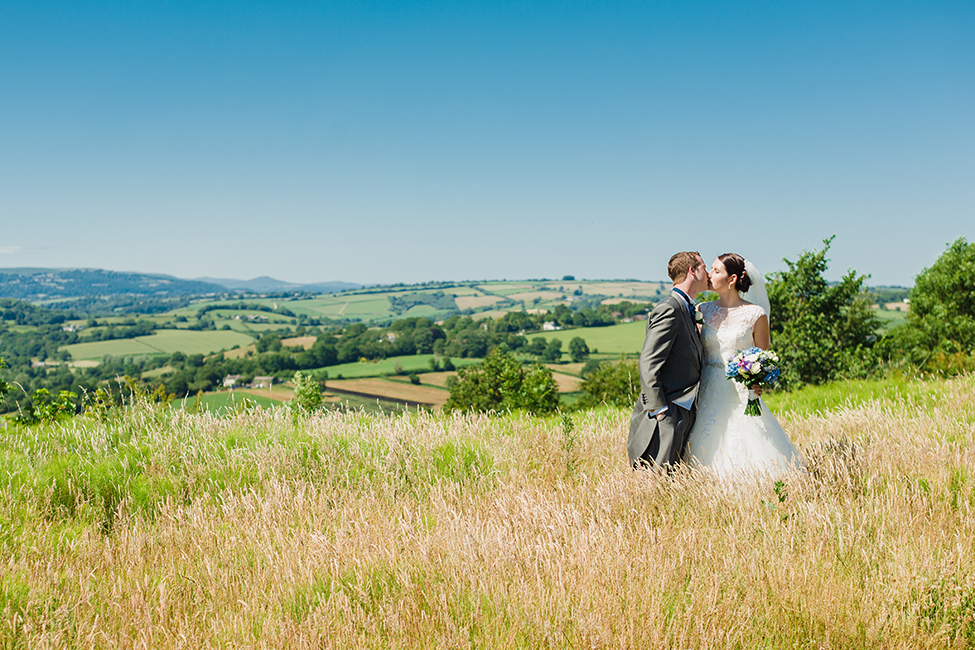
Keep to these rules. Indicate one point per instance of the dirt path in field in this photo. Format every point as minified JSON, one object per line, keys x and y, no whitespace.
{"x":342,"y":311}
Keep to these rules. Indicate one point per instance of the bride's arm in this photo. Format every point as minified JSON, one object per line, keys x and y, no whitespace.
{"x":760,"y":333}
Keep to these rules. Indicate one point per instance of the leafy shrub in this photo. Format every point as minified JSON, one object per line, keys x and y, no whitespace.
{"x":939,"y":334}
{"x":578,"y":349}
{"x":308,"y":394}
{"x":821,"y":331}
{"x":591,"y":366}
{"x":617,"y":385}
{"x":501,"y":383}
{"x":46,"y":408}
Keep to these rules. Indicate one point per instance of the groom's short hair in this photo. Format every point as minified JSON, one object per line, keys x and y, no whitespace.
{"x":681,"y":263}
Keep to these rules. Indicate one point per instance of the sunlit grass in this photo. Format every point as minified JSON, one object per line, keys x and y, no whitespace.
{"x":163,"y":528}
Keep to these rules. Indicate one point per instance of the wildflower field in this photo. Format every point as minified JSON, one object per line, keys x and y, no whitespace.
{"x":158,"y":528}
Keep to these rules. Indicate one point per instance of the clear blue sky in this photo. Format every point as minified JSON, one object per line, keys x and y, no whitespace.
{"x":382,"y":142}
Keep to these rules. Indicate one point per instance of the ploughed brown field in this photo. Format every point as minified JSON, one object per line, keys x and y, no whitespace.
{"x":304,"y":341}
{"x":374,"y":386}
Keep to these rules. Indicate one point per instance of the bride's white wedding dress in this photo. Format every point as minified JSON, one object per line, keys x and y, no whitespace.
{"x":723,"y":437}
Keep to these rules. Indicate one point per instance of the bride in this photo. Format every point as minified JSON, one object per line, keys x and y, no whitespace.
{"x":723,"y":437}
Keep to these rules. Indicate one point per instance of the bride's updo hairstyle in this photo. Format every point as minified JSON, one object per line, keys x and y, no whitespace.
{"x":734,"y":264}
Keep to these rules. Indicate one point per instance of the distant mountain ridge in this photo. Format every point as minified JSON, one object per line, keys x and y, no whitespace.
{"x":45,"y":284}
{"x":264,"y":284}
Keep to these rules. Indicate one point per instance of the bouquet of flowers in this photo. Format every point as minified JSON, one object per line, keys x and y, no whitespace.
{"x":754,"y":367}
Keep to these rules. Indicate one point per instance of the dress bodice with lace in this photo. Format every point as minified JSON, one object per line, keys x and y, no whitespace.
{"x":726,"y":331}
{"x":723,"y":437}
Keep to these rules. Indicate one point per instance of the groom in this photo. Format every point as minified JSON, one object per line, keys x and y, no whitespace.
{"x":670,"y":369}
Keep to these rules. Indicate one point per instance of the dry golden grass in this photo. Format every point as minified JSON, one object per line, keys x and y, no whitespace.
{"x":349,"y":530}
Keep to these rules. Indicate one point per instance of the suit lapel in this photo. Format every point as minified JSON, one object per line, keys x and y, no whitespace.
{"x":688,"y":322}
{"x":692,"y":327}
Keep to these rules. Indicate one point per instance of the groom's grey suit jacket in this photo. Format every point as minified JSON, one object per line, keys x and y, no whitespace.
{"x":670,"y":366}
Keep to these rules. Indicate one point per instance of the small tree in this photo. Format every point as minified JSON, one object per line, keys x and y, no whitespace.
{"x":501,"y":383}
{"x":939,"y":333}
{"x":307,"y":394}
{"x":617,"y":385}
{"x":821,"y":331}
{"x":578,"y":349}
{"x":46,"y":408}
{"x":537,"y":346}
{"x":553,"y":351}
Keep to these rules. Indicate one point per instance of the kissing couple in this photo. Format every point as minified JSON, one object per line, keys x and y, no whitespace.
{"x":687,"y":410}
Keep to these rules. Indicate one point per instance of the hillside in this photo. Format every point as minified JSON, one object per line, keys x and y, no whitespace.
{"x":47,"y":284}
{"x":35,"y":284}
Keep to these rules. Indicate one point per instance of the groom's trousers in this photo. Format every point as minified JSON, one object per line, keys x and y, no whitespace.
{"x":668,"y":436}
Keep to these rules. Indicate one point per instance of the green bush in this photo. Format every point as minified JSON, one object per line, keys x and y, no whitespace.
{"x":308,"y":394}
{"x":939,"y":334}
{"x":615,"y":384}
{"x":820,"y":330}
{"x":502,"y":383}
{"x":578,"y":349}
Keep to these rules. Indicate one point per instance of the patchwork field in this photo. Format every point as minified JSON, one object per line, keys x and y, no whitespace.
{"x":530,"y":296}
{"x":572,"y":369}
{"x":406,"y":392}
{"x":304,"y":341}
{"x":161,"y":342}
{"x":437,"y":378}
{"x":472,"y":302}
{"x":632,"y":290}
{"x":223,"y":402}
{"x":386,"y":366}
{"x":566,"y":383}
{"x":373,"y":303}
{"x":626,"y":338}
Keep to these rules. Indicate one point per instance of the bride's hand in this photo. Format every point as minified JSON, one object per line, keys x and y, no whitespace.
{"x":756,"y":389}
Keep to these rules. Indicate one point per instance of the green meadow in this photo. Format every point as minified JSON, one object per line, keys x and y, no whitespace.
{"x":625,"y":338}
{"x":224,"y":402}
{"x":161,"y":342}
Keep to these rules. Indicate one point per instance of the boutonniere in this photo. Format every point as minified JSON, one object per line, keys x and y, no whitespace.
{"x":698,"y":317}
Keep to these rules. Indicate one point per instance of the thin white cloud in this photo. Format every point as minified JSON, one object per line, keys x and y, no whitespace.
{"x":9,"y":250}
